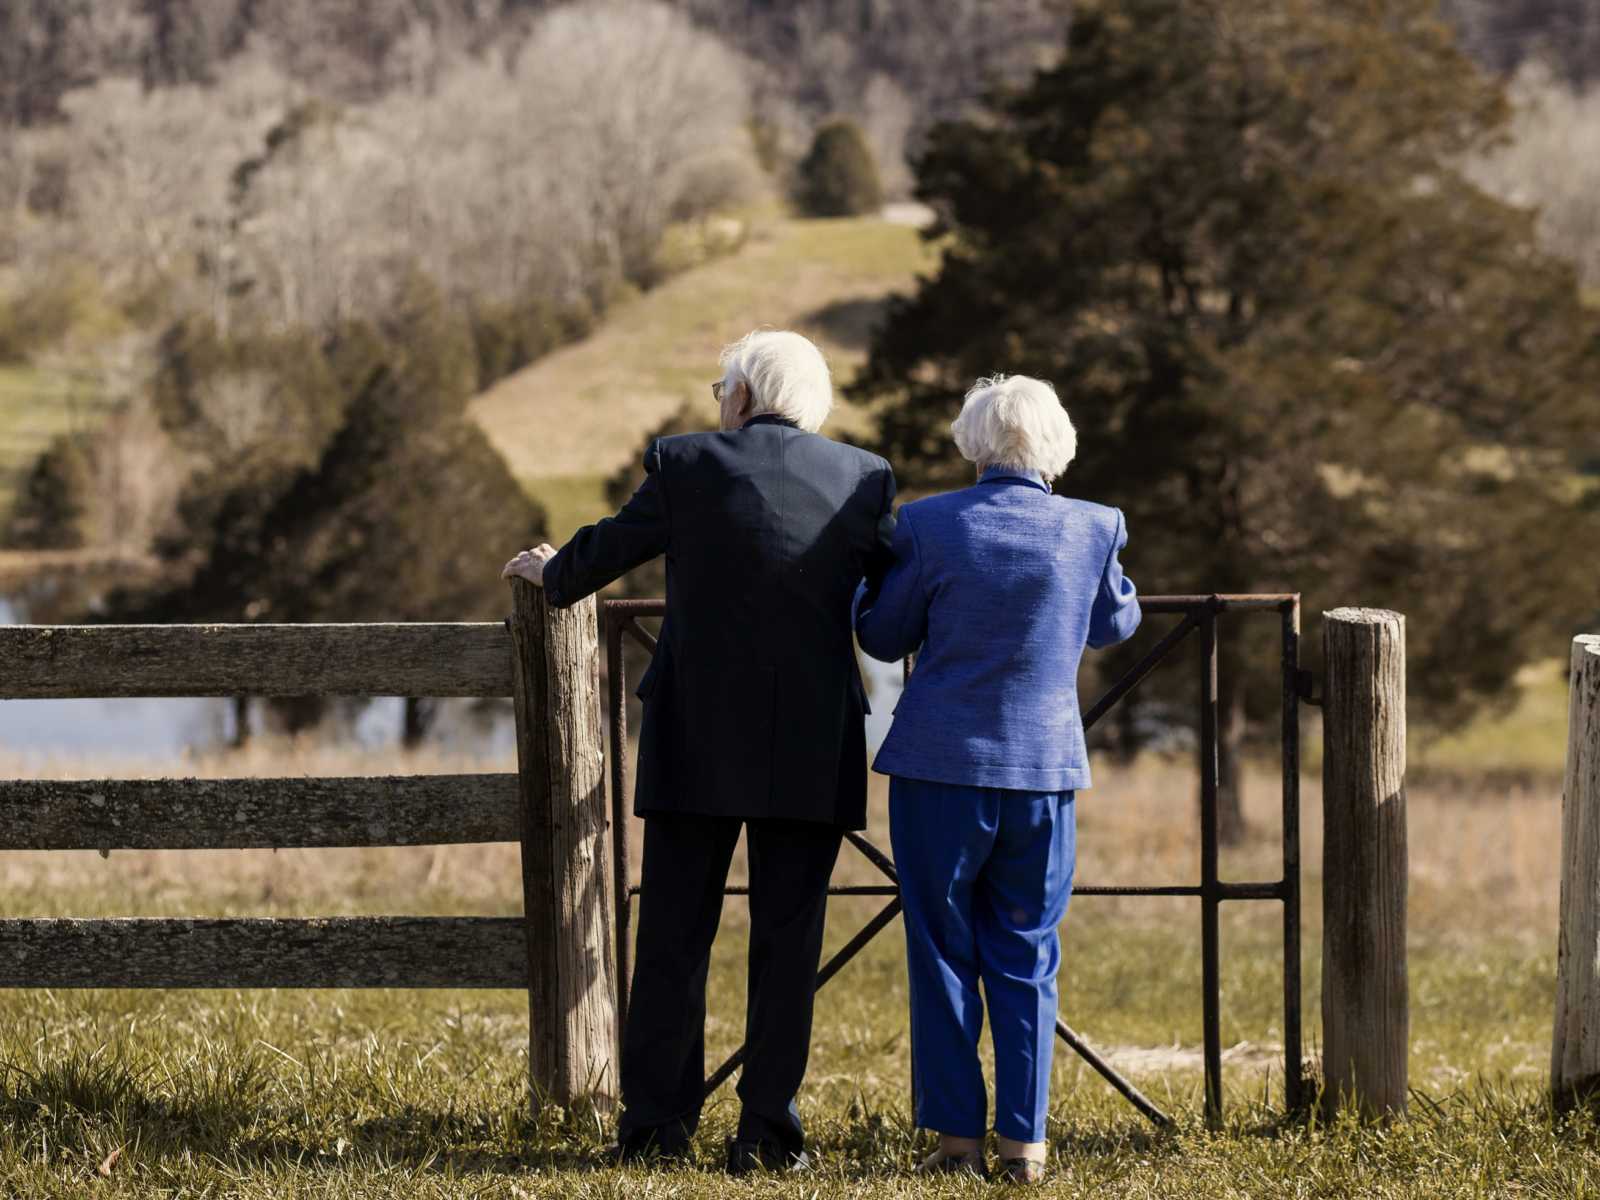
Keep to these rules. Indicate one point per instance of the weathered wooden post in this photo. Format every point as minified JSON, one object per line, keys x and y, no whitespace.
{"x":566,"y":876}
{"x":1365,"y":1002}
{"x":1575,"y":1056}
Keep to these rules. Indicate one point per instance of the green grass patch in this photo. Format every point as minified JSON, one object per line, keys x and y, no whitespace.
{"x":378,"y":1094}
{"x":401,"y":1094}
{"x":35,"y":407}
{"x":570,"y":502}
{"x":1529,"y":736}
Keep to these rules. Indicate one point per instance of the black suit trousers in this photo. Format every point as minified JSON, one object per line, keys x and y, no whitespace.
{"x":686,"y":859}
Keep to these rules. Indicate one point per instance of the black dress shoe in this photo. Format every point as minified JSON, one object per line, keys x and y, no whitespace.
{"x":746,"y":1158}
{"x":644,"y":1154}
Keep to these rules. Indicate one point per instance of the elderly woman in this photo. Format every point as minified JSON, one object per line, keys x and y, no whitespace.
{"x":998,"y":587}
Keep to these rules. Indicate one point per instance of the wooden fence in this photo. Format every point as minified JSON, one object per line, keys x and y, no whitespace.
{"x":554,"y":805}
{"x":561,"y":949}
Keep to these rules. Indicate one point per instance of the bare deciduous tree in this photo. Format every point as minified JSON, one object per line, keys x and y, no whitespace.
{"x":137,"y":474}
{"x":624,"y":102}
{"x":1551,"y":162}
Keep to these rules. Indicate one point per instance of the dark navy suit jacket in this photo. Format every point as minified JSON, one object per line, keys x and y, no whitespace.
{"x":753,"y":703}
{"x":1001,"y":586}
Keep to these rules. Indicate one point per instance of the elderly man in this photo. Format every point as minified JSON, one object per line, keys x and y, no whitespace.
{"x":753,"y":712}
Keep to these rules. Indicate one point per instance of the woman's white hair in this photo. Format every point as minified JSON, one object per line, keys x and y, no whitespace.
{"x":786,"y":373}
{"x":1015,"y":422}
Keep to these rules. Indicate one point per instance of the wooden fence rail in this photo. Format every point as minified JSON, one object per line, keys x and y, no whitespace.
{"x":554,"y":805}
{"x":350,"y":952}
{"x":103,"y":661}
{"x":246,"y":814}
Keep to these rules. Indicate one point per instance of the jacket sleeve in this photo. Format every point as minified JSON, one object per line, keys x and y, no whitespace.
{"x":1116,"y":602}
{"x":892,"y":620}
{"x":881,"y":557}
{"x":609,"y":549}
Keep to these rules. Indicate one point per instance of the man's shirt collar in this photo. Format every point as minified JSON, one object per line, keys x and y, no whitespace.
{"x":769,"y":419}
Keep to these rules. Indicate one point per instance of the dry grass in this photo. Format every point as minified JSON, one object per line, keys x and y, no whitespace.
{"x":406,"y":1094}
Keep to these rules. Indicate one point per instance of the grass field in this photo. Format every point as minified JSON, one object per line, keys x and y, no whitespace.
{"x":1530,"y":735}
{"x":574,"y":417}
{"x":35,"y":406}
{"x":391,"y":1094}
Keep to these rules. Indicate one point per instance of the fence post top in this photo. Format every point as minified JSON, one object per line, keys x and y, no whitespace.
{"x":1364,"y":616}
{"x":1585,"y":652}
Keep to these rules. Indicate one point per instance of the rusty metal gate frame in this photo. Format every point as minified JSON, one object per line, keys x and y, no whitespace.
{"x":1198,"y":613}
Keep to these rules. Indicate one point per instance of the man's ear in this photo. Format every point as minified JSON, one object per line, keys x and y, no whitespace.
{"x":747,"y":401}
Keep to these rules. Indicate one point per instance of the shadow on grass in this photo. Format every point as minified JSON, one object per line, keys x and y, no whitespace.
{"x":227,"y":1113}
{"x":235,"y":1113}
{"x":850,"y":323}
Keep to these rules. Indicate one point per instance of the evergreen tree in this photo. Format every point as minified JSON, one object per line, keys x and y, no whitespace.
{"x":401,"y":510}
{"x":838,"y":176}
{"x":1302,"y":351}
{"x":52,"y":507}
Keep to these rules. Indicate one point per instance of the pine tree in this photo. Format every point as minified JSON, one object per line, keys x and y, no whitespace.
{"x":838,"y":176}
{"x":392,"y":505}
{"x":52,"y":507}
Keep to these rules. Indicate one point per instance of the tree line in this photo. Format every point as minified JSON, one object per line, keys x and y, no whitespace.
{"x":895,"y":66}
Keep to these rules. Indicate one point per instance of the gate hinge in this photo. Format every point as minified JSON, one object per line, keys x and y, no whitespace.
{"x":1306,"y":688}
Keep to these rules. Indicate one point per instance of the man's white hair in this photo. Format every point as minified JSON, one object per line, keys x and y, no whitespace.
{"x":786,"y":373}
{"x":1015,"y":422}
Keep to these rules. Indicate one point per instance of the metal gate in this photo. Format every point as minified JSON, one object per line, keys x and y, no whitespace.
{"x":1197,"y":613}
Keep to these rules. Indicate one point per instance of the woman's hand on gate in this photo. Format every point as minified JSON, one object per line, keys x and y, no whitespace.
{"x":530,"y":564}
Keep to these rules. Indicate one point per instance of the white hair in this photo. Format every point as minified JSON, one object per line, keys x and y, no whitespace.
{"x":786,"y":374}
{"x":1015,"y":422}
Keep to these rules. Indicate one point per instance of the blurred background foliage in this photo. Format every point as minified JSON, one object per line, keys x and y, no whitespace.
{"x":298,"y":300}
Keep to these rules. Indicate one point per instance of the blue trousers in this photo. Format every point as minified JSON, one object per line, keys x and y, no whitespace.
{"x":985,"y":876}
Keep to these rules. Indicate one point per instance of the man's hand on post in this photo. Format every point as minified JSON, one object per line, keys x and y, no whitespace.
{"x":530,"y":564}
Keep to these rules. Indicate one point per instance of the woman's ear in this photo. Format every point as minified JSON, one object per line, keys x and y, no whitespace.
{"x":745,"y":402}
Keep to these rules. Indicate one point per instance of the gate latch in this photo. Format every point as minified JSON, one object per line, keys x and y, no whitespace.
{"x":1305,"y":688}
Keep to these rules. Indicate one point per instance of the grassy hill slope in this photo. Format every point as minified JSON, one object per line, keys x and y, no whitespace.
{"x":570,"y":420}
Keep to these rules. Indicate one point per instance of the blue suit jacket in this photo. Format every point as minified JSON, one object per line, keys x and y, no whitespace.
{"x":1001,"y":585}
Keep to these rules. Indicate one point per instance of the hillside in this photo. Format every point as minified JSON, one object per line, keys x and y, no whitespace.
{"x":571,"y":419}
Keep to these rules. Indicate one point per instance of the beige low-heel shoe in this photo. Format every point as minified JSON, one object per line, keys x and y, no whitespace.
{"x":940,"y":1163}
{"x":1022,"y":1170}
